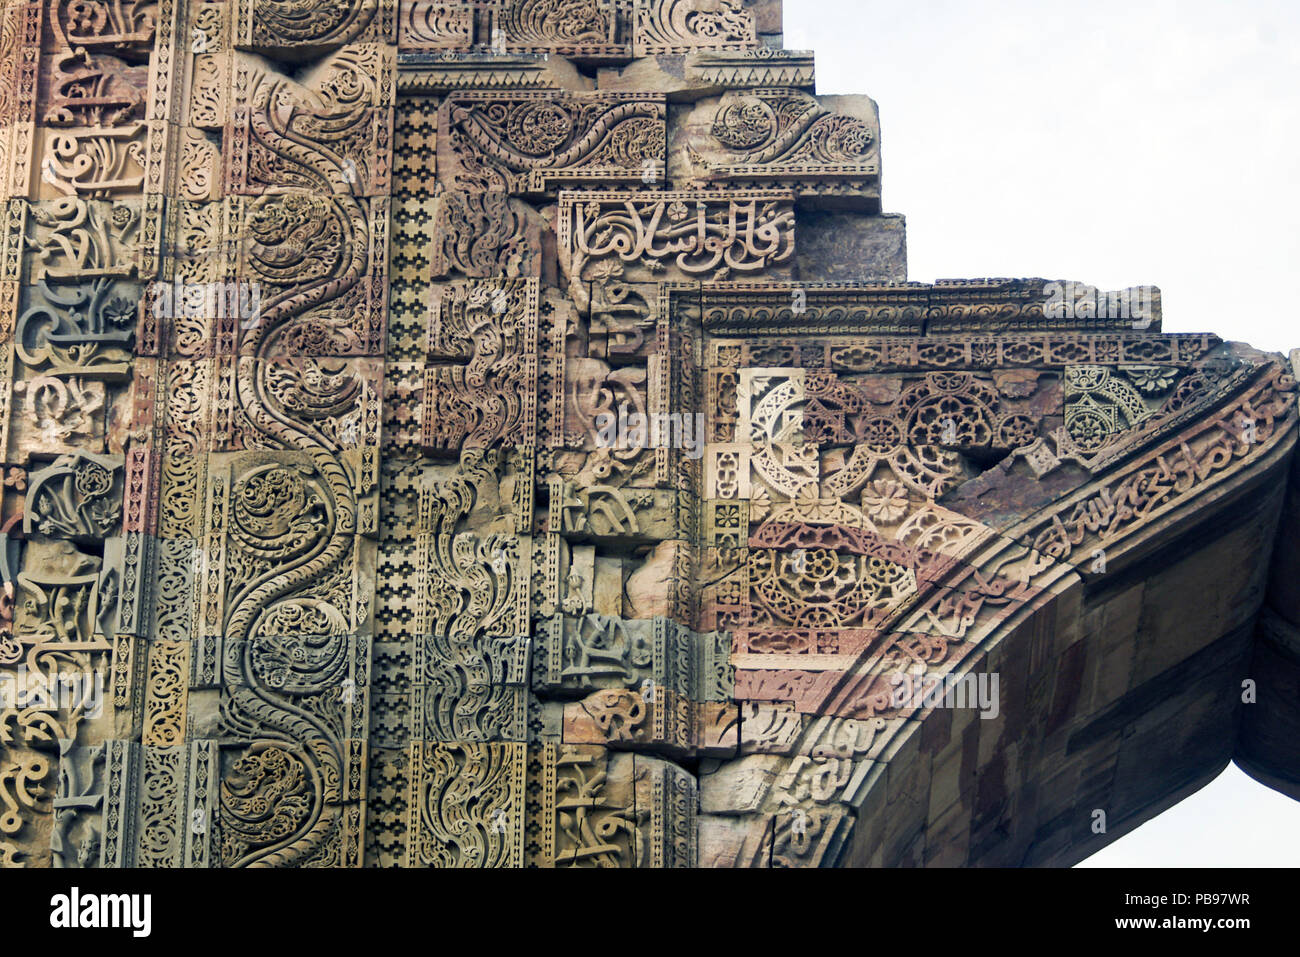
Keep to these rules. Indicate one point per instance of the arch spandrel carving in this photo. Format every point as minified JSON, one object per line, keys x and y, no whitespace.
{"x":472,"y":434}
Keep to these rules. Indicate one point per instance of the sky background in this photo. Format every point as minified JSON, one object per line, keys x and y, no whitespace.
{"x":1119,"y":143}
{"x":1116,"y":142}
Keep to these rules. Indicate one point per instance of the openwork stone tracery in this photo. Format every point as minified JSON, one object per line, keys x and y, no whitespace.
{"x":312,"y":321}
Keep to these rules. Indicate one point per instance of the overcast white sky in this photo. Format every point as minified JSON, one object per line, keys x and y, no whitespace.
{"x":1120,"y":143}
{"x":1117,"y":142}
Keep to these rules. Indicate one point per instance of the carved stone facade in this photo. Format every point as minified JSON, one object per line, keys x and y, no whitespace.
{"x":501,"y":433}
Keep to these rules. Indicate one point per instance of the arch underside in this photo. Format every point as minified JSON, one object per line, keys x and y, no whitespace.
{"x":1121,"y":615}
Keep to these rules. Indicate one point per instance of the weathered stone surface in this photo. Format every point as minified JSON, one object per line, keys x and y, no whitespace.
{"x":738,"y":787}
{"x":846,"y":247}
{"x":826,"y":149}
